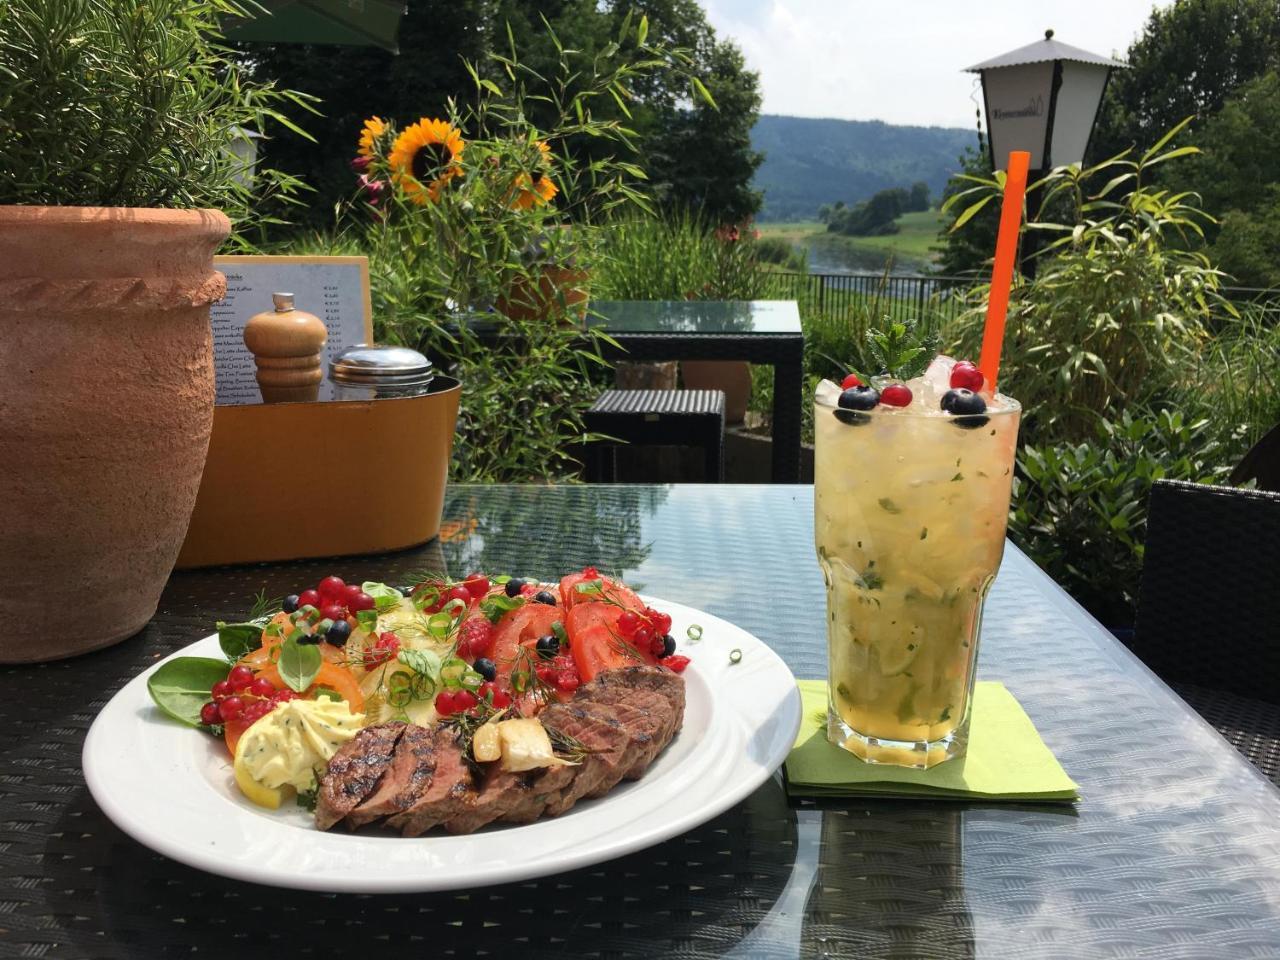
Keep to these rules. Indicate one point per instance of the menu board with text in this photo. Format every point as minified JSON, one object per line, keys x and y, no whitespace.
{"x":335,"y":289}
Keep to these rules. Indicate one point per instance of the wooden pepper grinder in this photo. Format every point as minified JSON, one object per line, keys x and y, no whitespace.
{"x":287,"y":344}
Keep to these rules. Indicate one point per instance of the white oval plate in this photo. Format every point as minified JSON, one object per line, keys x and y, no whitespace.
{"x":171,"y":788}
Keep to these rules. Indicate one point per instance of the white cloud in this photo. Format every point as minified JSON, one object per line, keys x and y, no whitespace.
{"x":902,"y":62}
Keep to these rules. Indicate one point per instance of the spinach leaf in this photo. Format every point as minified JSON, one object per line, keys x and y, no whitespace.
{"x":181,"y":687}
{"x":494,"y":607}
{"x":299,"y":663}
{"x":237,"y":639}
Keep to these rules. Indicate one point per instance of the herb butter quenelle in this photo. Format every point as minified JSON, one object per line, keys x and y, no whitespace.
{"x":911,"y":488}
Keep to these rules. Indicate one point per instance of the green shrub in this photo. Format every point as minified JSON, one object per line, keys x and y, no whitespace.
{"x":1080,"y":509}
{"x":1121,"y":300}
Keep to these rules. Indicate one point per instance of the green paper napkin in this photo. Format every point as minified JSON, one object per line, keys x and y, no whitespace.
{"x":1006,"y":760}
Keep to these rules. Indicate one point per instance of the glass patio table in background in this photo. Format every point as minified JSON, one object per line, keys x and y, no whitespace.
{"x":758,"y":331}
{"x":1174,"y":850}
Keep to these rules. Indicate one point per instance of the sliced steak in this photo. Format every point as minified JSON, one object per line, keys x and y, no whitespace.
{"x":544,"y":789}
{"x":500,"y":792}
{"x":447,"y":794}
{"x":668,"y":685}
{"x":646,"y":715}
{"x":354,"y":771}
{"x":609,"y":746}
{"x":406,"y":778}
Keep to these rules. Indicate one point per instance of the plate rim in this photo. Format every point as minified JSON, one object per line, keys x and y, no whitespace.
{"x":739,"y":780}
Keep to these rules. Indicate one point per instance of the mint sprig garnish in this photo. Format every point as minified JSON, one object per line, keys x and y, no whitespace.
{"x":901,"y":350}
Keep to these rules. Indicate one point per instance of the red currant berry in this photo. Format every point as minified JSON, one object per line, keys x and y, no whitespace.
{"x":209,"y":714}
{"x":486,"y":690}
{"x":360,"y":601}
{"x":628,"y":622}
{"x":230,"y":708}
{"x":459,"y":593}
{"x":896,"y":395}
{"x":308,"y":598}
{"x":590,"y":572}
{"x":261,"y":687}
{"x":657,"y":646}
{"x":676,"y":663}
{"x":567,"y":682}
{"x":547,"y":674}
{"x":255,"y":712}
{"x":850,"y":381}
{"x":643,"y":635}
{"x":331,"y":588}
{"x":239,"y":678}
{"x":464,"y":700}
{"x":220,"y":689}
{"x":349,"y":593}
{"x":444,"y":703}
{"x":477,"y":585}
{"x":283,"y":696}
{"x":333,"y":611}
{"x":661,"y":623}
{"x":966,"y":374}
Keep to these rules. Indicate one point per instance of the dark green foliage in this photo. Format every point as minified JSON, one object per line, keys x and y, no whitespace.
{"x":1190,"y":59}
{"x":128,"y":103}
{"x":918,"y":198}
{"x":871,"y":218}
{"x":968,"y":251}
{"x":695,"y":154}
{"x":1080,"y":510}
{"x":811,"y":162}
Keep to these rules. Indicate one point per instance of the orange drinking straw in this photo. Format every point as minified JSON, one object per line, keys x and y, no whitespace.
{"x":1015,"y":185}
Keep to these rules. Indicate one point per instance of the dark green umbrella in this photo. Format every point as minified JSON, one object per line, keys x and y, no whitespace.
{"x":363,"y":23}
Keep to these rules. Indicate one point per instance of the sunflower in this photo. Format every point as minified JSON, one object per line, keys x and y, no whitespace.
{"x":535,"y":189}
{"x":425,"y":157}
{"x":373,"y":128}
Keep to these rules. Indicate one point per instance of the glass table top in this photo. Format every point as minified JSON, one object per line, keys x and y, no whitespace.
{"x":1174,"y":850}
{"x":697,"y":316}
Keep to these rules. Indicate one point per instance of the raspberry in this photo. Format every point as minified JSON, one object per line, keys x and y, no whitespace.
{"x":475,"y":638}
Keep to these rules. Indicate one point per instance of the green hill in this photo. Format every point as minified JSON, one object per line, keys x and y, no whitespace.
{"x":809,"y":162}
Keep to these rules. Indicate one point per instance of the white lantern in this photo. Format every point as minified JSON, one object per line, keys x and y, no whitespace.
{"x":1043,"y":98}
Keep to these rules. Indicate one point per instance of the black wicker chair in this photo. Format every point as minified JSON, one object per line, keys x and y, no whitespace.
{"x":657,"y":417}
{"x":1209,"y":614}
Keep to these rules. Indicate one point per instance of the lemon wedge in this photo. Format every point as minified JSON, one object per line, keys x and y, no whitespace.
{"x":254,"y":790}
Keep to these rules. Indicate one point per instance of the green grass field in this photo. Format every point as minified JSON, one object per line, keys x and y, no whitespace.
{"x":916,"y":234}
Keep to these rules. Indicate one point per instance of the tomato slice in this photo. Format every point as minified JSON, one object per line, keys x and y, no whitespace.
{"x":614,"y":591}
{"x":596,"y":642}
{"x":336,"y":678}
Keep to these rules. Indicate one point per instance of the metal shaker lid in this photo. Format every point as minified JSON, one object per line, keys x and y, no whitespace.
{"x":372,"y":364}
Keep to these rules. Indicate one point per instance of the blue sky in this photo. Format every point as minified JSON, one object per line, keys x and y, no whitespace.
{"x":901,"y":61}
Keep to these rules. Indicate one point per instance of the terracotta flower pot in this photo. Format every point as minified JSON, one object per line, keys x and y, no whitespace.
{"x":106,"y":401}
{"x":527,"y":303}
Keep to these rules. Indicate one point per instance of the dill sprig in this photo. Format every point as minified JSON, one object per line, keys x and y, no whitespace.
{"x":262,"y":607}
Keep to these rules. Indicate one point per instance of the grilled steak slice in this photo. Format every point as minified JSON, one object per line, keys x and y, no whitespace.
{"x":670,"y":686}
{"x":646,"y":715}
{"x":501,"y":791}
{"x":354,"y":771}
{"x":406,"y":778}
{"x":445,"y":797}
{"x":543,"y":790}
{"x":609,"y":746}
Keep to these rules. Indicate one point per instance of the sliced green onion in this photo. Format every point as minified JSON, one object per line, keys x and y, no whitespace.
{"x":399,"y":688}
{"x":471,"y":681}
{"x":452,"y":672}
{"x":735,"y":656}
{"x":694,"y":633}
{"x":424,"y":687}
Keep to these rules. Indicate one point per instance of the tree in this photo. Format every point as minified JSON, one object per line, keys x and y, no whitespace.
{"x":874,"y":217}
{"x":918,"y":199}
{"x":1191,"y":57}
{"x":697,"y":156}
{"x":968,"y":250}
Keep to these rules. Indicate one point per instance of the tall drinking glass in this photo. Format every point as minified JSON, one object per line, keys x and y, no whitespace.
{"x":910,"y":512}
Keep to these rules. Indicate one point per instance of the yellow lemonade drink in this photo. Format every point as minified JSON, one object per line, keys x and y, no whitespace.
{"x":911,"y":504}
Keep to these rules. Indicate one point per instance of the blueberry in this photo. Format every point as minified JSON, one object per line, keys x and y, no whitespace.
{"x":290,"y":603}
{"x":548,"y":646}
{"x":966,"y":406}
{"x":851,"y":417}
{"x":339,"y":633}
{"x":513,"y":586}
{"x":859,"y":398}
{"x":545,"y":596}
{"x":668,"y":645}
{"x":486,"y":668}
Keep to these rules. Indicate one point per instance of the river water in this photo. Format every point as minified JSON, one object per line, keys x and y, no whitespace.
{"x":833,"y":256}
